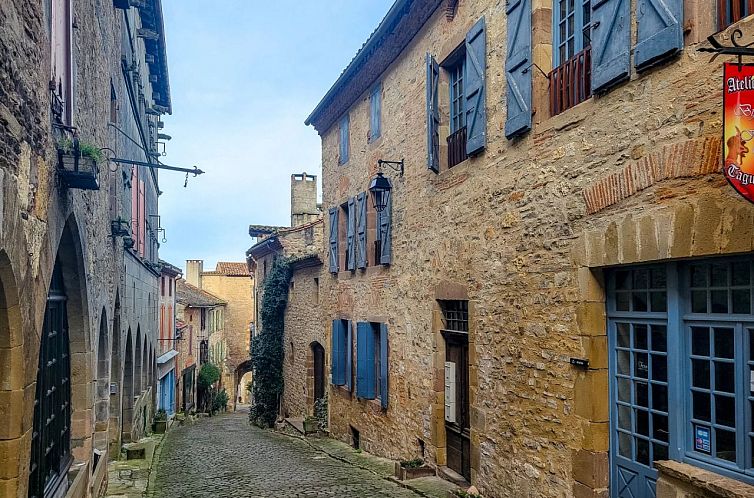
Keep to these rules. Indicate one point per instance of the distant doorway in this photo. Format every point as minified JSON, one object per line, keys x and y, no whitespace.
{"x":318,"y":352}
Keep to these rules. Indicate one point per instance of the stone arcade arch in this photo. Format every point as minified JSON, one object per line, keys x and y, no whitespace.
{"x":116,"y":377}
{"x":102,"y":399}
{"x":138,"y":363}
{"x":128,"y":389}
{"x":12,"y":364}
{"x":64,"y":374}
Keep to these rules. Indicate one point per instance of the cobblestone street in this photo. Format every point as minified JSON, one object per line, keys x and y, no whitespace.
{"x":226,"y":457}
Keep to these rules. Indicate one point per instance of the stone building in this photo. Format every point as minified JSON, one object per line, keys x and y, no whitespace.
{"x":305,"y":337}
{"x":167,"y":372}
{"x":528,"y":309}
{"x":77,"y":80}
{"x":231,"y":282}
{"x":199,"y":315}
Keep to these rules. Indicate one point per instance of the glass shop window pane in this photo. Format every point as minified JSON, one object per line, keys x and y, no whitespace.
{"x":741,"y":300}
{"x":624,"y":362}
{"x":723,"y":342}
{"x":700,"y":374}
{"x":726,"y":445}
{"x":701,"y":405}
{"x":658,"y":278}
{"x":659,"y":368}
{"x":659,"y":338}
{"x":660,"y":427}
{"x":698,"y":301}
{"x":660,"y":452}
{"x":624,"y":335}
{"x":725,"y":410}
{"x":642,"y":451}
{"x":641,"y":365}
{"x":699,"y":276}
{"x":658,"y":301}
{"x":624,"y":445}
{"x":642,"y":422}
{"x":622,"y":301}
{"x":740,"y":274}
{"x":719,"y":301}
{"x":622,"y":280}
{"x":719,"y":274}
{"x":725,"y":377}
{"x":624,"y":390}
{"x":624,"y":417}
{"x":659,"y":397}
{"x":641,"y":341}
{"x":639,"y":301}
{"x":700,"y":341}
{"x":642,"y":394}
{"x":641,"y":279}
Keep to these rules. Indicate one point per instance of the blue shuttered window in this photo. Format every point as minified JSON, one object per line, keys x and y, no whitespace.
{"x":372,"y":361}
{"x":474,"y":91}
{"x":344,"y":137}
{"x":333,"y":239}
{"x":361,"y":230}
{"x":571,"y":29}
{"x":611,"y":43}
{"x":518,"y":74}
{"x":375,"y":112}
{"x":457,"y":98}
{"x":348,"y":354}
{"x":433,"y":114}
{"x":351,"y":235}
{"x":660,"y":31}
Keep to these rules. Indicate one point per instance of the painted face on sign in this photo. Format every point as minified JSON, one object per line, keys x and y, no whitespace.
{"x":737,"y":148}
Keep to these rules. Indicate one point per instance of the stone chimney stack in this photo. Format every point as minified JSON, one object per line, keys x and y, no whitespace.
{"x":303,"y":199}
{"x":194,"y":269}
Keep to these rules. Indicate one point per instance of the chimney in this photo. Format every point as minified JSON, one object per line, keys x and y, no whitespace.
{"x":303,"y":199}
{"x":194,"y":269}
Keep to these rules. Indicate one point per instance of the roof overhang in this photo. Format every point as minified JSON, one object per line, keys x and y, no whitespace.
{"x":264,"y":247}
{"x":396,"y":30}
{"x":166,"y":357}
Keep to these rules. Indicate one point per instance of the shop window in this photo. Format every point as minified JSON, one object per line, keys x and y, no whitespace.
{"x":732,"y":11}
{"x":681,"y":364}
{"x":570,"y":81}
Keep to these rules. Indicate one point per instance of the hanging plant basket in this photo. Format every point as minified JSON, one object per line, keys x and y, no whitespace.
{"x":78,"y":165}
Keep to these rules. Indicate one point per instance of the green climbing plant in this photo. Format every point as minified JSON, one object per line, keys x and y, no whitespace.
{"x":267,"y":349}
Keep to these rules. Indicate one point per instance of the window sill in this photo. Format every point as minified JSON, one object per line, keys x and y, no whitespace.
{"x":703,"y":481}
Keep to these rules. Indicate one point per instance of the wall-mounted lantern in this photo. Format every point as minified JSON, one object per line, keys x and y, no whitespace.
{"x":380,"y":187}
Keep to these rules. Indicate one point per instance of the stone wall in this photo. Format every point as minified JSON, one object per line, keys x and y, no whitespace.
{"x":522,"y":230}
{"x":238,"y":314}
{"x":303,"y":327}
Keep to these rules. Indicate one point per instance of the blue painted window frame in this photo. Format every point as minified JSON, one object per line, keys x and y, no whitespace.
{"x":456,"y":79}
{"x":679,"y":319}
{"x":570,"y":33}
{"x":375,"y":112}
{"x":344,"y":138}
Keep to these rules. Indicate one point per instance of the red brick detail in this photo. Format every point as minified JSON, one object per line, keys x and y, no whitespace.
{"x":700,"y":156}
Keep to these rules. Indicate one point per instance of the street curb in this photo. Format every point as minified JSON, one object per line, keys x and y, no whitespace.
{"x":392,"y":479}
{"x":153,"y":467}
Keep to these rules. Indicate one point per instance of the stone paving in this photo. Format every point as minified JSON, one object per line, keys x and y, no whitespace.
{"x":224,"y":456}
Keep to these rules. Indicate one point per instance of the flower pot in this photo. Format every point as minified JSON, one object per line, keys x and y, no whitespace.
{"x":311,"y":425}
{"x":78,"y":172}
{"x":160,"y":426}
{"x":405,"y":473}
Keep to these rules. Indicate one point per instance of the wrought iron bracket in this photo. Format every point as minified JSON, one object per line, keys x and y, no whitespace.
{"x":736,"y":49}
{"x":396,"y":166}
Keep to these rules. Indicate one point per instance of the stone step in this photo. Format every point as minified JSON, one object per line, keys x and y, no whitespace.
{"x":297,"y":423}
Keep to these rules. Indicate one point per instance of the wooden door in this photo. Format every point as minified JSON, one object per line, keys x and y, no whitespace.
{"x":457,"y":434}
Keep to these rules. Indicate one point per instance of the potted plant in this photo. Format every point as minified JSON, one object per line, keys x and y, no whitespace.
{"x":411,"y":469}
{"x":78,"y":163}
{"x":160,"y":421}
{"x":311,"y":425}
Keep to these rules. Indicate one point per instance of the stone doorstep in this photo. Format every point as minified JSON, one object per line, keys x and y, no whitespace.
{"x":452,"y":476}
{"x":297,"y":423}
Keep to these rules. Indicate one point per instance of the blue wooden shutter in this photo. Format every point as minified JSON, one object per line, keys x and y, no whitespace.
{"x":518,"y":74}
{"x":337,"y":353}
{"x":361,"y":229}
{"x":433,"y":114}
{"x":474,"y":93}
{"x":660,"y":31}
{"x":333,"y":252}
{"x":350,"y":234}
{"x":344,"y":136}
{"x":611,"y":43}
{"x":386,"y":233}
{"x":348,"y":353}
{"x":365,"y":361}
{"x":375,"y":112}
{"x":383,"y":365}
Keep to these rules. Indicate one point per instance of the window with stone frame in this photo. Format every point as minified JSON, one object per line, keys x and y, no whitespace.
{"x":454,"y":68}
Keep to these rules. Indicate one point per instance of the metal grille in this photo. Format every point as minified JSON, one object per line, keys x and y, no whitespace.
{"x":731,"y":11}
{"x":455,"y":315}
{"x":51,"y":437}
{"x":457,"y":147}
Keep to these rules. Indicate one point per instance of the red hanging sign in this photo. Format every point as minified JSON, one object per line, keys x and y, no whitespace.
{"x":738,"y":127}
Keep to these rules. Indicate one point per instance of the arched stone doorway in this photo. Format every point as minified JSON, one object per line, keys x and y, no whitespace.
{"x":138,"y":363}
{"x":12,"y":366}
{"x":60,"y":433}
{"x":128,"y":390}
{"x":242,"y":371}
{"x":102,"y":403}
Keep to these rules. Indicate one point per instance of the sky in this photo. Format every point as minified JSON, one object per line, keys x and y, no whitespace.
{"x":244,"y":75}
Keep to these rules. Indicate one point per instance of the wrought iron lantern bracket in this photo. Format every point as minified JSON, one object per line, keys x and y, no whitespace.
{"x":736,"y":48}
{"x":396,"y":166}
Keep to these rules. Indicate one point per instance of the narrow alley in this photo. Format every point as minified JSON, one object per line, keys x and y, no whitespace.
{"x":225,"y":457}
